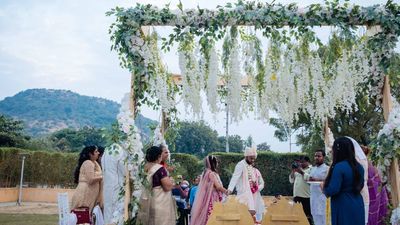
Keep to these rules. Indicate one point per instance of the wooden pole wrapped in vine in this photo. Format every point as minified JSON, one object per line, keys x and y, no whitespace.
{"x":164,"y":122}
{"x":394,"y":175}
{"x":127,"y":197}
{"x":328,"y":151}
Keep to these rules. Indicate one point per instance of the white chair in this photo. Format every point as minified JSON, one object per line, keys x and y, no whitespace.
{"x":64,"y":215}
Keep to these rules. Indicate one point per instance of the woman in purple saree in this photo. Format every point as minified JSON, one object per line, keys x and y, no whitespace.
{"x":378,"y":196}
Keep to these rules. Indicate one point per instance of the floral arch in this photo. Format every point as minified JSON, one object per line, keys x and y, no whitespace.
{"x":295,"y":74}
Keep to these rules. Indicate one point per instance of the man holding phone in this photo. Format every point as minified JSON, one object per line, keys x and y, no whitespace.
{"x":301,"y":189}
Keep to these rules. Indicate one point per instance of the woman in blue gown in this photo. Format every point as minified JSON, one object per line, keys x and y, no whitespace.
{"x":344,"y":183}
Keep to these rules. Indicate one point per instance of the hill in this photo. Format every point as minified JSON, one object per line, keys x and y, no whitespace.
{"x":46,"y":110}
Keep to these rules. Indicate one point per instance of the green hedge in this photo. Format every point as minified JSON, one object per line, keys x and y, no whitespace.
{"x":189,"y":166}
{"x":56,"y":169}
{"x":41,"y":168}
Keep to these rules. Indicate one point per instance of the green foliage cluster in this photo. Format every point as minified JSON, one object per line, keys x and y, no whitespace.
{"x":264,"y":146}
{"x":200,"y":139}
{"x":195,"y":137}
{"x":236,"y":143}
{"x":11,"y":132}
{"x":189,"y":166}
{"x":73,"y":140}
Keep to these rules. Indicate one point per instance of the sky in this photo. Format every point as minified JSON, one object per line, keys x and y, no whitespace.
{"x":64,"y":44}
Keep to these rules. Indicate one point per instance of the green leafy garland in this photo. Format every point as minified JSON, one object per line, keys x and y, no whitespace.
{"x":210,"y":26}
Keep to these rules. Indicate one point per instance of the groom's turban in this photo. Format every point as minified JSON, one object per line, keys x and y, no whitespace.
{"x":250,"y":152}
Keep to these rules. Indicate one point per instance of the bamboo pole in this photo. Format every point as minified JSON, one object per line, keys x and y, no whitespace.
{"x":164,"y":124}
{"x":127,"y":197}
{"x":387,"y":104}
{"x":394,"y":174}
{"x":326,"y":134}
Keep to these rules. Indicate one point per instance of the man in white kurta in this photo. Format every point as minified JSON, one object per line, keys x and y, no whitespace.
{"x":248,"y":183}
{"x":317,"y":198}
{"x":113,"y":180}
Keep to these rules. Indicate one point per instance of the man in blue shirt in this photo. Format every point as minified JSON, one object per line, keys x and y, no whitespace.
{"x":193,"y":191}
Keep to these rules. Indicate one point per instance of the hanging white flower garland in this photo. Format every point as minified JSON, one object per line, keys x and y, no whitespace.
{"x":159,"y":137}
{"x":191,"y":82}
{"x":233,"y":83}
{"x":249,"y":68}
{"x":292,"y":84}
{"x":158,"y":81}
{"x":301,"y":85}
{"x":285,"y":104}
{"x":377,"y":76}
{"x":264,"y":102}
{"x":212,"y":81}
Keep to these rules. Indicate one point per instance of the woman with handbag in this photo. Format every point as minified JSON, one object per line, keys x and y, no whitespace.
{"x":157,"y":206}
{"x":89,"y":178}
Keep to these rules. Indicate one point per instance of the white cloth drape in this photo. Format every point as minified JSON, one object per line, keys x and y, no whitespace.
{"x":99,"y":215}
{"x":113,"y":180}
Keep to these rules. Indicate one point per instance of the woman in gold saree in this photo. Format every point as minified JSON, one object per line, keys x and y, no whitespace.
{"x":157,"y":207}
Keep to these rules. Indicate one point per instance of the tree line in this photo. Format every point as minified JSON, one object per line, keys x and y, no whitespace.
{"x":196,"y":138}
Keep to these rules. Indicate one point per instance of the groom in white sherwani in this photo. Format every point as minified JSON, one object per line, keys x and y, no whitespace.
{"x":248,"y":183}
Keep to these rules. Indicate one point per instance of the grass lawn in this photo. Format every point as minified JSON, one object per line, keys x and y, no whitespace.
{"x":23,"y":219}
